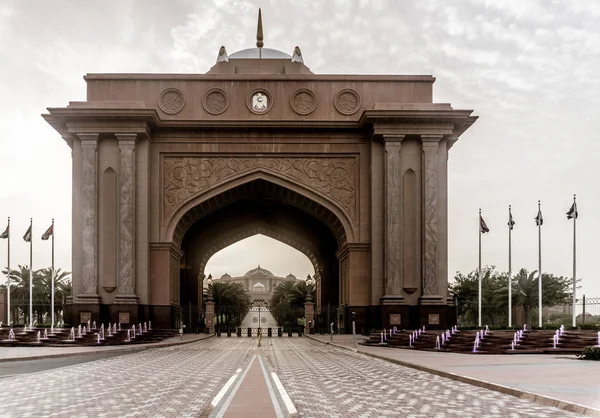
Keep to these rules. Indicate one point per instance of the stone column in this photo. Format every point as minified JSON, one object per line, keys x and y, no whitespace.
{"x":393,"y":220}
{"x":89,"y":273}
{"x":430,"y":284}
{"x":126,"y":286}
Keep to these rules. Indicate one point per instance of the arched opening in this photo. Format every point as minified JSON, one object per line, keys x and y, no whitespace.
{"x":259,"y":206}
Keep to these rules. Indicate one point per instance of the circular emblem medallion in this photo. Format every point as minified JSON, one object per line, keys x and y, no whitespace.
{"x":303,"y":101}
{"x":347,"y":102}
{"x":171,"y":101}
{"x":215,"y":101}
{"x":259,"y":101}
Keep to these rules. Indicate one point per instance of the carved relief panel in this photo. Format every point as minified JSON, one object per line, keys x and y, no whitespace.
{"x":334,"y":178}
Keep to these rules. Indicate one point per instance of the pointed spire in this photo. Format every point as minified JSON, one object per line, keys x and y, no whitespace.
{"x":297,"y":55}
{"x":222,"y":57}
{"x":259,"y":31}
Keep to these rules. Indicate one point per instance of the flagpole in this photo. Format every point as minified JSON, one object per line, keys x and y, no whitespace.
{"x":540,"y":266}
{"x":574,"y":263}
{"x":52,"y":275}
{"x":8,"y":282}
{"x":479,"y":269}
{"x":31,"y":274}
{"x":509,"y":268}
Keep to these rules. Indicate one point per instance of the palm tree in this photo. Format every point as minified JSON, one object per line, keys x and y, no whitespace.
{"x":232,"y":303}
{"x":287,"y":302}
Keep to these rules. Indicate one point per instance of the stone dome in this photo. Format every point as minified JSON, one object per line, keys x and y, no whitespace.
{"x":226,"y":276}
{"x":260,"y":53}
{"x":259,"y":272}
{"x":290,"y":277}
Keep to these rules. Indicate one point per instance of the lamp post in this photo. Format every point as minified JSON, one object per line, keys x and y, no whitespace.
{"x":309,"y":306}
{"x":210,"y":306}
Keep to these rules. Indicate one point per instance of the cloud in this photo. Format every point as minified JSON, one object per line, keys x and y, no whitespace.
{"x":528,"y":69}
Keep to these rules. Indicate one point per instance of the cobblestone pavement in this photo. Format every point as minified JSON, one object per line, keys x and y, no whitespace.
{"x":328,"y":382}
{"x":322,"y":381}
{"x":166,"y":382}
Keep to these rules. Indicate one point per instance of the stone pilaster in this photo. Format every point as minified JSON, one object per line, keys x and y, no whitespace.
{"x":126,"y":285}
{"x":309,"y":317}
{"x":89,"y":272}
{"x":430,"y":284}
{"x":393,"y":220}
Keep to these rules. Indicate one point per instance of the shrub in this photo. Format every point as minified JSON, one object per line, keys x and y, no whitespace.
{"x":591,"y":353}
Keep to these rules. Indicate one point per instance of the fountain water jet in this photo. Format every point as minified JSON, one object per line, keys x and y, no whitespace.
{"x":150,"y":325}
{"x":72,"y":334}
{"x":145,"y":327}
{"x":128,"y":335}
{"x":140,"y":329}
{"x":94,"y":325}
{"x":46,"y":334}
{"x":11,"y":335}
{"x":437,"y":343}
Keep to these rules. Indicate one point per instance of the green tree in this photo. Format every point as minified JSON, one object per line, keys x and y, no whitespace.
{"x":465,"y":289}
{"x":555,"y":291}
{"x":232,"y":303}
{"x":287,"y":302}
{"x":42,"y":286}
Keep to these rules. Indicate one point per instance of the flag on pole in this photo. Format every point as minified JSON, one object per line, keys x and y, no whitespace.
{"x":572,"y":213}
{"x":48,"y":232}
{"x":482,"y":226}
{"x":511,"y":223}
{"x":539,"y":220}
{"x":6,"y":233}
{"x":27,"y":236}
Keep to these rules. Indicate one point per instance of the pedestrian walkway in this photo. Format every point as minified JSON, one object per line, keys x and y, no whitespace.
{"x":564,"y":378}
{"x":31,"y":353}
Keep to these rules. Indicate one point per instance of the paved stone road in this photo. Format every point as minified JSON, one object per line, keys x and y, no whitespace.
{"x":321,"y":381}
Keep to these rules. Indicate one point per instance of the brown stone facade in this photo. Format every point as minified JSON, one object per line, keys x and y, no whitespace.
{"x":350,"y":170}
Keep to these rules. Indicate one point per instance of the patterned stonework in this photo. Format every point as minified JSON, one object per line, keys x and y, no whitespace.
{"x":347,"y":102}
{"x":88,"y":214}
{"x":303,"y":101}
{"x":215,"y":101}
{"x":395,"y":319}
{"x":171,"y":101}
{"x":332,"y":177}
{"x":84,"y":317}
{"x":434,"y":319}
{"x":123,"y":317}
{"x":430,"y":276}
{"x":127,"y":175}
{"x":393,"y":253}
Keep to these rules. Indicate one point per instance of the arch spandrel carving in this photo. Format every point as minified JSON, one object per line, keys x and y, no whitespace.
{"x":334,"y":179}
{"x":212,"y":198}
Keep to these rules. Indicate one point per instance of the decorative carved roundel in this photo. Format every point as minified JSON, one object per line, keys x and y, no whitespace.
{"x":215,"y":101}
{"x":171,"y":101}
{"x":347,"y":102}
{"x":259,"y":101}
{"x":303,"y":101}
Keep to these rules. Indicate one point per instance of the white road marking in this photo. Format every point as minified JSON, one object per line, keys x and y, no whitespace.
{"x":274,"y":401}
{"x":234,"y":391}
{"x":225,"y":388}
{"x":284,"y":395}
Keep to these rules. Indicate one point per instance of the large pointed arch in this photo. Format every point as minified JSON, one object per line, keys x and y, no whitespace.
{"x":201,"y":204}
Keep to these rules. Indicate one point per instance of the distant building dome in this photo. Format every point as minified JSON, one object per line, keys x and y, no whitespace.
{"x":260,"y":53}
{"x":259,"y":272}
{"x":290,"y":277}
{"x":226,"y":276}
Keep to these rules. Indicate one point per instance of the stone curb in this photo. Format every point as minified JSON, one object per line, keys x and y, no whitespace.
{"x":540,"y":399}
{"x":124,"y":349}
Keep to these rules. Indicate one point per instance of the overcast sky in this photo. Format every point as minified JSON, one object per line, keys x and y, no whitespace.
{"x":529,"y":69}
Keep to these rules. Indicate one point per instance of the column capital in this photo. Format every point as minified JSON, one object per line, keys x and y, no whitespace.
{"x":393,"y":138}
{"x":126,"y":138}
{"x":88,"y":138}
{"x":430,"y":139}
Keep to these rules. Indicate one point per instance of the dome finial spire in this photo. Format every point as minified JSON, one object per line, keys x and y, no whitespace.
{"x":259,"y":31}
